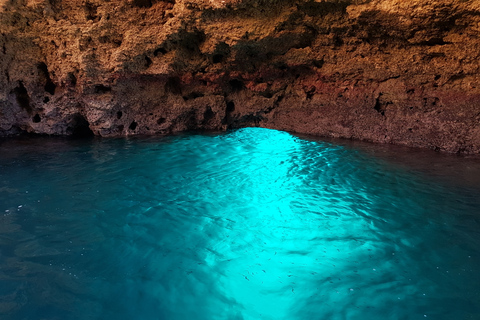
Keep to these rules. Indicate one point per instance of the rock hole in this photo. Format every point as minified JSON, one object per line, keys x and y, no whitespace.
{"x":90,"y":11}
{"x":217,"y":58}
{"x":142,"y":3}
{"x":279,"y":99}
{"x":337,"y":41}
{"x":318,"y":63}
{"x":36,"y":118}
{"x":435,"y":41}
{"x":161,"y":120}
{"x":80,"y":128}
{"x":104,"y":39}
{"x":230,"y":106}
{"x":21,"y":95}
{"x":267,"y":94}
{"x":228,"y":114}
{"x":71,"y":79}
{"x":189,"y":118}
{"x":50,"y":87}
{"x":158,"y":51}
{"x":236,"y":85}
{"x":119,"y":114}
{"x":100,"y":89}
{"x":208,"y":114}
{"x":379,"y":106}
{"x":221,"y":51}
{"x":310,"y":93}
{"x":191,"y":41}
{"x":46,"y":99}
{"x":193,"y":95}
{"x":148,"y":62}
{"x":133,"y":126}
{"x":43,"y":71}
{"x":437,"y":77}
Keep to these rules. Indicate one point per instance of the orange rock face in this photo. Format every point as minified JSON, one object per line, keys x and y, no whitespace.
{"x":392,"y":71}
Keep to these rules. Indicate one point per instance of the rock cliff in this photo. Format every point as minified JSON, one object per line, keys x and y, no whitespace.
{"x":392,"y":71}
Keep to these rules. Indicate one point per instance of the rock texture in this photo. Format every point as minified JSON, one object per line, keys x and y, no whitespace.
{"x":392,"y":71}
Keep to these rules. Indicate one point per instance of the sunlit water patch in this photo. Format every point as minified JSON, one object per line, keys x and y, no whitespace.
{"x":252,"y":224}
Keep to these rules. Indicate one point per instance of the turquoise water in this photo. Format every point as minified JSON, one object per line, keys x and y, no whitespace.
{"x":252,"y":224}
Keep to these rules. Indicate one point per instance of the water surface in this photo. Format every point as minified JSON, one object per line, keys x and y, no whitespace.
{"x":252,"y":224}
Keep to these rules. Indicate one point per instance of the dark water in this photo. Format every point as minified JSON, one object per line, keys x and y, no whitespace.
{"x":253,"y":224}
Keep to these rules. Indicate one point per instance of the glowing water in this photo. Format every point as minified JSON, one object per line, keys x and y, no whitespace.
{"x":254,"y":224}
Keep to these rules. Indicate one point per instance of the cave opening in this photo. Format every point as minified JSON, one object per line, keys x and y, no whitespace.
{"x":79,"y":127}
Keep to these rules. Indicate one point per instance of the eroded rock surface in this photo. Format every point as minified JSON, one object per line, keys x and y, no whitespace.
{"x":394,"y":71}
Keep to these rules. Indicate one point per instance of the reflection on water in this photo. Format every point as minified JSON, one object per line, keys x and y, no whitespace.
{"x":253,"y":224}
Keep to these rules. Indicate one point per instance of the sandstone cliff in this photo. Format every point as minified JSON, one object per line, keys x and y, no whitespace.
{"x":392,"y":71}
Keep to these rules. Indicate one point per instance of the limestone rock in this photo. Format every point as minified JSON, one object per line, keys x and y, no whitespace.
{"x":392,"y":71}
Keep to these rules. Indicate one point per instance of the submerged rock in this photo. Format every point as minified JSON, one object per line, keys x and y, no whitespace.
{"x":393,"y":71}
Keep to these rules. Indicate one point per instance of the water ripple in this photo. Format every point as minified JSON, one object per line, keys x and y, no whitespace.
{"x":252,"y":224}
